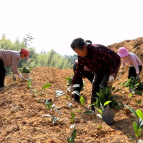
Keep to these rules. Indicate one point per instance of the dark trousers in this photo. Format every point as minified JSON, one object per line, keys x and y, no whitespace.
{"x":132,"y":71}
{"x":96,"y":80}
{"x":2,"y":73}
{"x":87,"y":74}
{"x":100,"y":78}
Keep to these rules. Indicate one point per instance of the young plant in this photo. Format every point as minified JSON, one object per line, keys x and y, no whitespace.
{"x":134,"y":85}
{"x":106,"y":94}
{"x":25,"y":69}
{"x":81,"y":98}
{"x":51,"y":106}
{"x":73,"y":116}
{"x":73,"y":136}
{"x":69,"y":79}
{"x":138,"y":125}
{"x":29,"y":83}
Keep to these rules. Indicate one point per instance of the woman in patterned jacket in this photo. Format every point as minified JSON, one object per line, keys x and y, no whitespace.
{"x":100,"y":60}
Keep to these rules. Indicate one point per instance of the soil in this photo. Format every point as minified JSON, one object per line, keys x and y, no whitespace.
{"x":22,"y":110}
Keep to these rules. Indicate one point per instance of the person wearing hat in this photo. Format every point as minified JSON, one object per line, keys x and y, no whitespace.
{"x":131,"y":59}
{"x":10,"y":57}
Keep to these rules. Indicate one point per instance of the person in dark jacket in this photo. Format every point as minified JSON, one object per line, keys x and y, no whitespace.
{"x":100,"y":60}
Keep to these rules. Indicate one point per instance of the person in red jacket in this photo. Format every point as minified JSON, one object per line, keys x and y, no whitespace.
{"x":100,"y":60}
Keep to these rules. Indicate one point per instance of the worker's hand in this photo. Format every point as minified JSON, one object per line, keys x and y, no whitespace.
{"x":20,"y":76}
{"x":138,"y":77}
{"x":70,"y":90}
{"x":110,"y":81}
{"x":14,"y":77}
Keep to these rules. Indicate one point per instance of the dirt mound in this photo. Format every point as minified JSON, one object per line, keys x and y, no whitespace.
{"x":22,"y":110}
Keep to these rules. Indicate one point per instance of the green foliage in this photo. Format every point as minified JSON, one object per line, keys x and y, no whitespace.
{"x":138,"y":126}
{"x":69,"y":79}
{"x":133,"y":84}
{"x":49,"y":59}
{"x":25,"y":69}
{"x":106,"y":97}
{"x":29,"y":83}
{"x":81,"y":100}
{"x":46,"y":86}
{"x":73,"y":116}
{"x":73,"y":136}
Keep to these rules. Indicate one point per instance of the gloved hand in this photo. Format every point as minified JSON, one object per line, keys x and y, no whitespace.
{"x":111,"y":80}
{"x":14,"y":77}
{"x":138,"y":77}
{"x":70,"y":90}
{"x":20,"y":76}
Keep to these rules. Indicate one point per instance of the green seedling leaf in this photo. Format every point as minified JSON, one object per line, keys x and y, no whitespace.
{"x":49,"y":104}
{"x":139,"y":101}
{"x":67,"y":96}
{"x":71,"y":120}
{"x":73,"y":115}
{"x":139,"y":113}
{"x":132,"y":110}
{"x":73,"y":136}
{"x":89,"y":112}
{"x":107,"y":102}
{"x":97,"y":93}
{"x":46,"y":86}
{"x":100,"y":111}
{"x":102,"y":108}
{"x":54,"y":120}
{"x":99,"y":127}
{"x":81,"y":100}
{"x":117,"y":90}
{"x":130,"y":95}
{"x":135,"y":126}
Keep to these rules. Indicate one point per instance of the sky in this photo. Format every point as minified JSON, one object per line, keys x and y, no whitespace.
{"x":55,"y":23}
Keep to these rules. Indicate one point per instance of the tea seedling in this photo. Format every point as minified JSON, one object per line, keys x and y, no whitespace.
{"x":73,"y":116}
{"x":29,"y":83}
{"x":138,"y":126}
{"x":73,"y":136}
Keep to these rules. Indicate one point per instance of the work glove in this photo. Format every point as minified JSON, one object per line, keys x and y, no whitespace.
{"x":138,"y":77}
{"x":14,"y":77}
{"x":70,"y":90}
{"x":111,"y":81}
{"x":20,"y":76}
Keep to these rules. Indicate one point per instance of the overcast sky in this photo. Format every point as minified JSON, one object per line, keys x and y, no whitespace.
{"x":55,"y":23}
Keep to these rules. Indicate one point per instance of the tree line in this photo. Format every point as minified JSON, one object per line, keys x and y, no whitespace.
{"x":49,"y":59}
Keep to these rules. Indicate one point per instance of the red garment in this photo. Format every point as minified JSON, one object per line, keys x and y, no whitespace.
{"x":99,"y":59}
{"x":85,"y":68}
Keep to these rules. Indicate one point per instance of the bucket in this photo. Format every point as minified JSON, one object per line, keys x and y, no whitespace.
{"x":26,"y":75}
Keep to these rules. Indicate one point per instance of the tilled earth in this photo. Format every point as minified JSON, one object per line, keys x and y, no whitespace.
{"x":21,"y":112}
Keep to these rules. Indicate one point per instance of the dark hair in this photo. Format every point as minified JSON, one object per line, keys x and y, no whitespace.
{"x":79,"y":43}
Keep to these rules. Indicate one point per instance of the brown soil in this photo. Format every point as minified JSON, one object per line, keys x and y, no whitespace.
{"x":21,"y":112}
